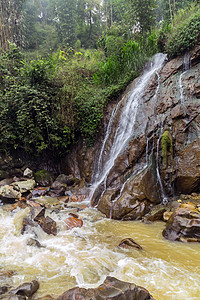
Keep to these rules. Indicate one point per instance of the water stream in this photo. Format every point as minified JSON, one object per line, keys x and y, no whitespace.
{"x":186,"y":67}
{"x":85,"y":256}
{"x":126,"y":122}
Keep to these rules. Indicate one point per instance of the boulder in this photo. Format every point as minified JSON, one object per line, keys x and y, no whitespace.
{"x":112,"y":288}
{"x":167,"y":215}
{"x":8,"y":192}
{"x":37,"y":213}
{"x":132,"y":204}
{"x":37,"y":216}
{"x":26,"y":289}
{"x":28,"y":173}
{"x":44,"y":178}
{"x":24,"y":186}
{"x":27,"y":222}
{"x":6,"y":181}
{"x":3,"y":174}
{"x":126,"y":209}
{"x":63,"y":199}
{"x":48,"y":225}
{"x":40,"y":191}
{"x":155,"y":215}
{"x":57,"y":189}
{"x":69,"y":180}
{"x":184,"y":224}
{"x":78,"y":198}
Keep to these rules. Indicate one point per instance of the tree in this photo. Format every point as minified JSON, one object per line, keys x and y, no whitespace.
{"x":10,"y":21}
{"x":168,"y":8}
{"x":144,"y":12}
{"x":65,"y":18}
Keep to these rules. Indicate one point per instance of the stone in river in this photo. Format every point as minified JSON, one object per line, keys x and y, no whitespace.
{"x":34,"y":243}
{"x":73,"y":222}
{"x":40,"y":191}
{"x":48,"y":225}
{"x":111,"y":289}
{"x":184,"y":224}
{"x":129,"y":243}
{"x":26,"y":289}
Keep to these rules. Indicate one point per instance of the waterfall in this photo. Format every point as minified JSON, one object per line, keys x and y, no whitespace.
{"x":126,"y":123}
{"x":186,"y":67}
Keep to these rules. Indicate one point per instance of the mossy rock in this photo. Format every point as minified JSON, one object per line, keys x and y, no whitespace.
{"x":3,"y":174}
{"x":167,"y":145}
{"x":44,"y":177}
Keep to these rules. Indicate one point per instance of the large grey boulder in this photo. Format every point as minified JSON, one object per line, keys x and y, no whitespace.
{"x":24,"y":186}
{"x":8,"y":192}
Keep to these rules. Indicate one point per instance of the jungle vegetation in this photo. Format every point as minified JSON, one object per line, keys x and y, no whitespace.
{"x":61,"y":62}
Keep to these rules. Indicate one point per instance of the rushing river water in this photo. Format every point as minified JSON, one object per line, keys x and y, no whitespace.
{"x":85,"y":256}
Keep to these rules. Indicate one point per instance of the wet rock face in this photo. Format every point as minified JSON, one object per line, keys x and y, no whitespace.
{"x":188,"y":168}
{"x":112,"y":288}
{"x":184,"y":224}
{"x":132,"y":204}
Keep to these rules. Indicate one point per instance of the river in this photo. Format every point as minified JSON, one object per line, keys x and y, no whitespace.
{"x":85,"y":256}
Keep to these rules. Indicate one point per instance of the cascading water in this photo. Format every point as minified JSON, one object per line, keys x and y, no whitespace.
{"x":126,"y":122}
{"x":186,"y":67}
{"x":85,"y":256}
{"x":97,"y":174}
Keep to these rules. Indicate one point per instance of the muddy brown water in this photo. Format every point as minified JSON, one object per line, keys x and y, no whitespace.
{"x":85,"y":256}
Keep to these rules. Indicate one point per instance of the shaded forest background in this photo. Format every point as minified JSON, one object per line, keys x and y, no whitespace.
{"x":62,"y":61}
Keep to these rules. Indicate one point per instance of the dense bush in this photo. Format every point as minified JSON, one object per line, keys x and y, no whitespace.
{"x":47,"y":104}
{"x":185,"y":31}
{"x":28,"y":121}
{"x":129,"y":61}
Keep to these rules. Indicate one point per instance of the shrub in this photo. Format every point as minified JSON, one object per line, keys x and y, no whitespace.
{"x":28,"y":121}
{"x":185,"y":31}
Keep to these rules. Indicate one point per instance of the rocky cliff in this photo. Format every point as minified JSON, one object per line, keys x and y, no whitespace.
{"x":162,"y":157}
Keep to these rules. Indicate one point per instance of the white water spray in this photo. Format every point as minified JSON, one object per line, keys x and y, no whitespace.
{"x":186,"y":67}
{"x":126,"y":123}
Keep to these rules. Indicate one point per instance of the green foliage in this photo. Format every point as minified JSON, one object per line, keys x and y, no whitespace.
{"x":28,"y":121}
{"x":184,"y":33}
{"x":167,"y":145}
{"x":38,"y":71}
{"x":128,"y":62}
